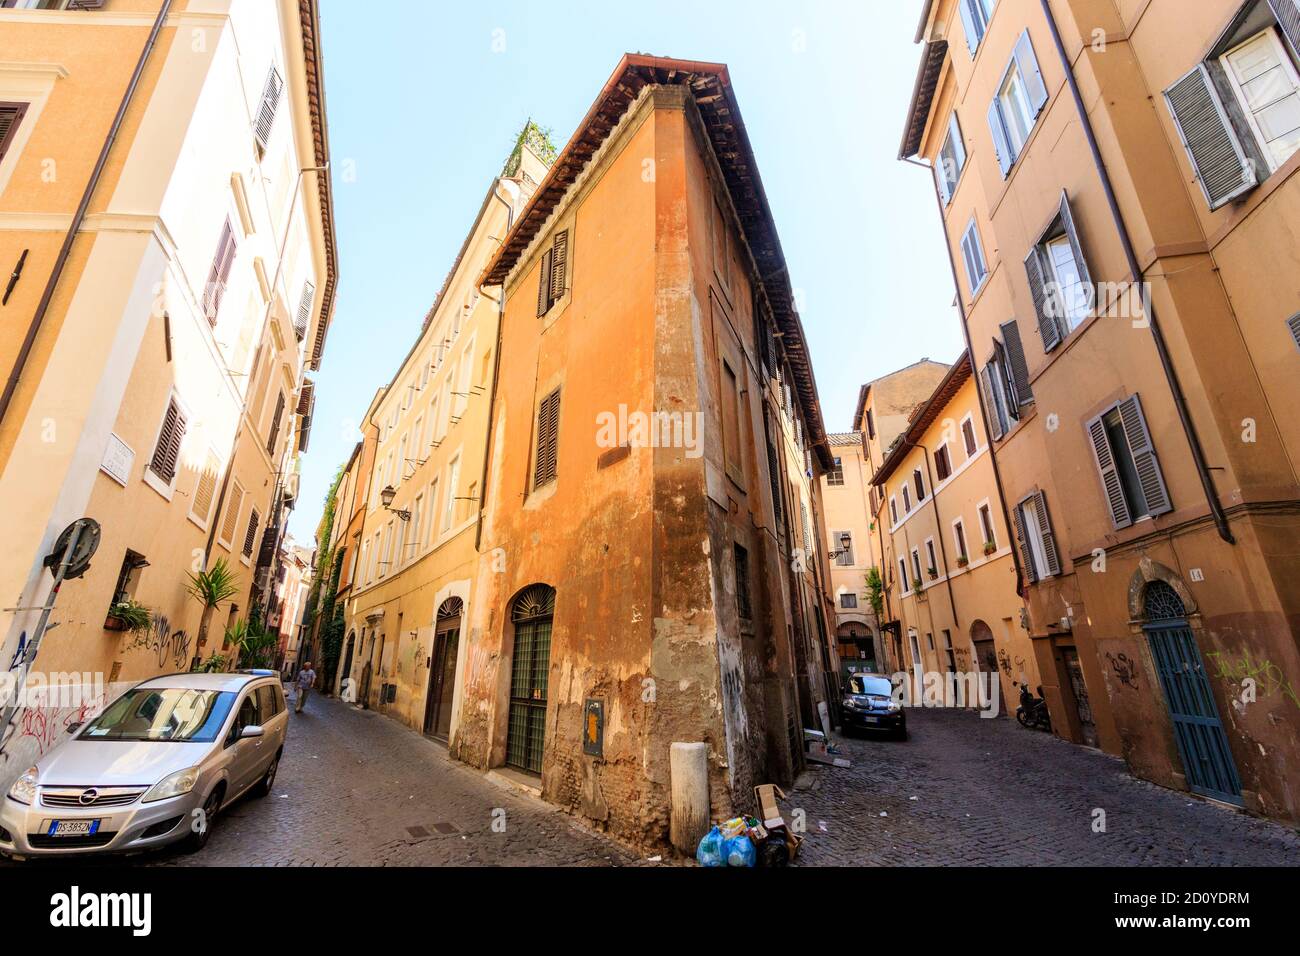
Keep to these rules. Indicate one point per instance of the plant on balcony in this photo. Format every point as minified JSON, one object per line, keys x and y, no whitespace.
{"x":254,"y":645}
{"x":210,"y":588}
{"x":933,"y":572}
{"x":962,"y":560}
{"x":990,"y":547}
{"x":128,"y":615}
{"x":875,"y":591}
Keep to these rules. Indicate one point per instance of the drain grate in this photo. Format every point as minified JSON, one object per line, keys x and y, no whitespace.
{"x":423,"y":833}
{"x":446,"y":828}
{"x":418,"y":832}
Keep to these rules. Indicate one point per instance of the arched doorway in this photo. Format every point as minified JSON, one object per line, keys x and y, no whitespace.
{"x":442,"y":669}
{"x":1202,"y":742}
{"x":986,"y":652}
{"x":857,"y":646}
{"x":346,"y":672}
{"x":532,"y":614}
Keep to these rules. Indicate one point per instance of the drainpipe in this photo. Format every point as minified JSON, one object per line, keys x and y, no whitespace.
{"x":1126,"y":241}
{"x":938,"y":523}
{"x":970,"y":350}
{"x":79,"y":217}
{"x":496,"y":377}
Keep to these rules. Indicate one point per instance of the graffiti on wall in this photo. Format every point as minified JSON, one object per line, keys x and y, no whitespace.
{"x":1125,"y":669}
{"x":170,"y":647}
{"x":1268,"y":678}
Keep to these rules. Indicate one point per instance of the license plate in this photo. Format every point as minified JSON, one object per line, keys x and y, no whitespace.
{"x":872,"y":720}
{"x":72,"y":828}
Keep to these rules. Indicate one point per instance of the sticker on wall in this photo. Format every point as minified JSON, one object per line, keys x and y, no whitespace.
{"x":593,"y":728}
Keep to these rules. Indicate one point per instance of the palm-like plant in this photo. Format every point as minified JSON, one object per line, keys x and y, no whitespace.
{"x":253,"y":644}
{"x":210,"y":588}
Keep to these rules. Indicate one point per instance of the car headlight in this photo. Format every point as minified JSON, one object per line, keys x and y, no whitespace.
{"x":173,"y":785}
{"x":850,"y":704}
{"x":24,"y":788}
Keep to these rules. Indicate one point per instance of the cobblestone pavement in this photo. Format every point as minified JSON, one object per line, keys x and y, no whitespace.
{"x":350,"y":784}
{"x":986,"y":792}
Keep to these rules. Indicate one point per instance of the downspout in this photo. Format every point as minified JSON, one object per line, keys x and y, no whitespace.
{"x":1126,"y":241}
{"x":938,"y":523}
{"x":492,"y":395}
{"x":970,"y":351}
{"x":79,"y":217}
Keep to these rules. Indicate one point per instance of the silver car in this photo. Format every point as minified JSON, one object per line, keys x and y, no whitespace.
{"x":156,"y":766}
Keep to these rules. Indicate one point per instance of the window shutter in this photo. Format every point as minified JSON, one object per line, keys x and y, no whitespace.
{"x":1022,"y":541}
{"x":201,"y":505}
{"x":270,"y":102}
{"x":307,"y":409}
{"x":1019,"y":369}
{"x":229,"y":526}
{"x":11,"y":115}
{"x":968,"y":25}
{"x":219,"y":273}
{"x":548,"y":434}
{"x":250,"y":535}
{"x":274,"y":434}
{"x":1293,"y":324}
{"x":559,"y":265}
{"x":773,"y":471}
{"x":1288,"y":18}
{"x":1080,"y":261}
{"x":304,"y":310}
{"x":1212,"y":145}
{"x":1048,"y":537}
{"x":544,"y":284}
{"x":1044,"y":304}
{"x":1027,"y":64}
{"x":990,"y":402}
{"x":1110,"y":480}
{"x":1001,"y":378}
{"x":1001,"y":145}
{"x":85,"y":4}
{"x":1145,"y":462}
{"x":168,"y":450}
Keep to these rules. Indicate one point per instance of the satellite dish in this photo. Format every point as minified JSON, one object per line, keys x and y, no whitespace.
{"x":87,"y":543}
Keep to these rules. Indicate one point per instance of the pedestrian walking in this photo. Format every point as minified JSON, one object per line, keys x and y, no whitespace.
{"x":306,"y":681}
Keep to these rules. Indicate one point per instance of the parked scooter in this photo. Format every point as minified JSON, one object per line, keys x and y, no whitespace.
{"x":1032,"y":712}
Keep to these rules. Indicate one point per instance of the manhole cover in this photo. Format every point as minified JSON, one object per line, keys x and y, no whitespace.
{"x":418,"y":832}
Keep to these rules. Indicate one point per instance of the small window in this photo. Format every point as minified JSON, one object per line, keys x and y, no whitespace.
{"x":893,"y":509}
{"x":273,"y":436}
{"x":1036,"y":539}
{"x":1130,"y":473}
{"x":219,"y":272}
{"x":942,"y":463}
{"x":871,"y":423}
{"x":836,"y":475}
{"x":128,"y":576}
{"x":907,"y":500}
{"x":743,"y":606}
{"x":167,"y":450}
{"x":11,"y":117}
{"x":843,"y":548}
{"x":271,"y":91}
{"x":250,"y":534}
{"x":902,"y":575}
{"x":848,"y":600}
{"x":973,"y":256}
{"x":986,"y":527}
{"x":918,"y":482}
{"x":916,"y":566}
{"x":932,"y":568}
{"x":959,"y":539}
{"x":1267,"y":88}
{"x":303,"y":318}
{"x":975,"y":16}
{"x":548,"y":426}
{"x":1019,"y":99}
{"x":952,"y":160}
{"x":553,"y":275}
{"x":968,"y":436}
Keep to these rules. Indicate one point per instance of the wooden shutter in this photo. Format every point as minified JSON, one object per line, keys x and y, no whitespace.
{"x":773,"y":469}
{"x":167,"y":451}
{"x":1022,"y":541}
{"x":1048,"y":536}
{"x":1111,"y":485}
{"x":1288,"y":18}
{"x":250,"y":535}
{"x":1017,"y":368}
{"x":544,"y":284}
{"x":559,"y":265}
{"x":229,"y":526}
{"x":274,"y":434}
{"x":1216,"y":155}
{"x":219,"y":272}
{"x":1145,"y":463}
{"x":1001,"y":145}
{"x":270,"y":102}
{"x":1076,"y":250}
{"x":11,"y":115}
{"x":990,"y":402}
{"x":1027,"y":64}
{"x":307,"y":409}
{"x":204,"y":491}
{"x":1045,"y":305}
{"x":548,"y":434}
{"x":304,"y":310}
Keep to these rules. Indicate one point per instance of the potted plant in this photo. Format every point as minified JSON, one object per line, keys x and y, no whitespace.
{"x":962,"y":560}
{"x":933,"y":572}
{"x":214,"y":664}
{"x":989,"y":547}
{"x":128,"y":615}
{"x":210,"y":588}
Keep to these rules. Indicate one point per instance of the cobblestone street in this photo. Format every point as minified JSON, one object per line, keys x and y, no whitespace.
{"x":965,"y":791}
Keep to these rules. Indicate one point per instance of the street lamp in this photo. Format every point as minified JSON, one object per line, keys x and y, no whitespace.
{"x":386,"y":497}
{"x":846,"y":541}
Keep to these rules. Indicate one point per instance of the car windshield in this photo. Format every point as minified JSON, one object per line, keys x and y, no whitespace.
{"x":163,"y":713}
{"x":875,"y":686}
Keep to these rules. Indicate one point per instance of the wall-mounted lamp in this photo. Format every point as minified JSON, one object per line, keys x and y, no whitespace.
{"x":846,"y":542}
{"x":386,"y":497}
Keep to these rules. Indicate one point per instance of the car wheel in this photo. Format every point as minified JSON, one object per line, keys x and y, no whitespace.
{"x":198,"y":839}
{"x":263,"y":786}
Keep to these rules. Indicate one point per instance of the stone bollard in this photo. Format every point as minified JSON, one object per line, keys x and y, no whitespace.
{"x":688,"y":767}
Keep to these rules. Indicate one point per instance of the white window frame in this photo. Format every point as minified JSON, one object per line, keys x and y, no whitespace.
{"x":959,"y":542}
{"x":932,"y":554}
{"x":453,"y":479}
{"x":1270,"y":34}
{"x":906,"y":576}
{"x":1016,"y":138}
{"x":917,"y":569}
{"x":952,"y":143}
{"x":991,"y":531}
{"x":972,"y":248}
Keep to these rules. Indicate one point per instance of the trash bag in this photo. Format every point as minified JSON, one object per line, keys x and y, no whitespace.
{"x":739,"y":851}
{"x":709,"y":852}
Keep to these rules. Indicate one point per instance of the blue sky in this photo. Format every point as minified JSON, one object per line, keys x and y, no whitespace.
{"x":425,"y":101}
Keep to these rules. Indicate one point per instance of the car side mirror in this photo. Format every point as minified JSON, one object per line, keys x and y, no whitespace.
{"x":252,"y":730}
{"x":74,"y":727}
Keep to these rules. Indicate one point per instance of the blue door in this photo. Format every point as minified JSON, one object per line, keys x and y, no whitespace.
{"x":1202,"y":743}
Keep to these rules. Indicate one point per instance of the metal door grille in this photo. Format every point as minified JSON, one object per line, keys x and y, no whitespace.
{"x":1202,"y":742}
{"x":529,"y":668}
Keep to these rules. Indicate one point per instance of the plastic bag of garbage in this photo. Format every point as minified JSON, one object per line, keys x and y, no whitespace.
{"x":709,"y":852}
{"x":739,"y":851}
